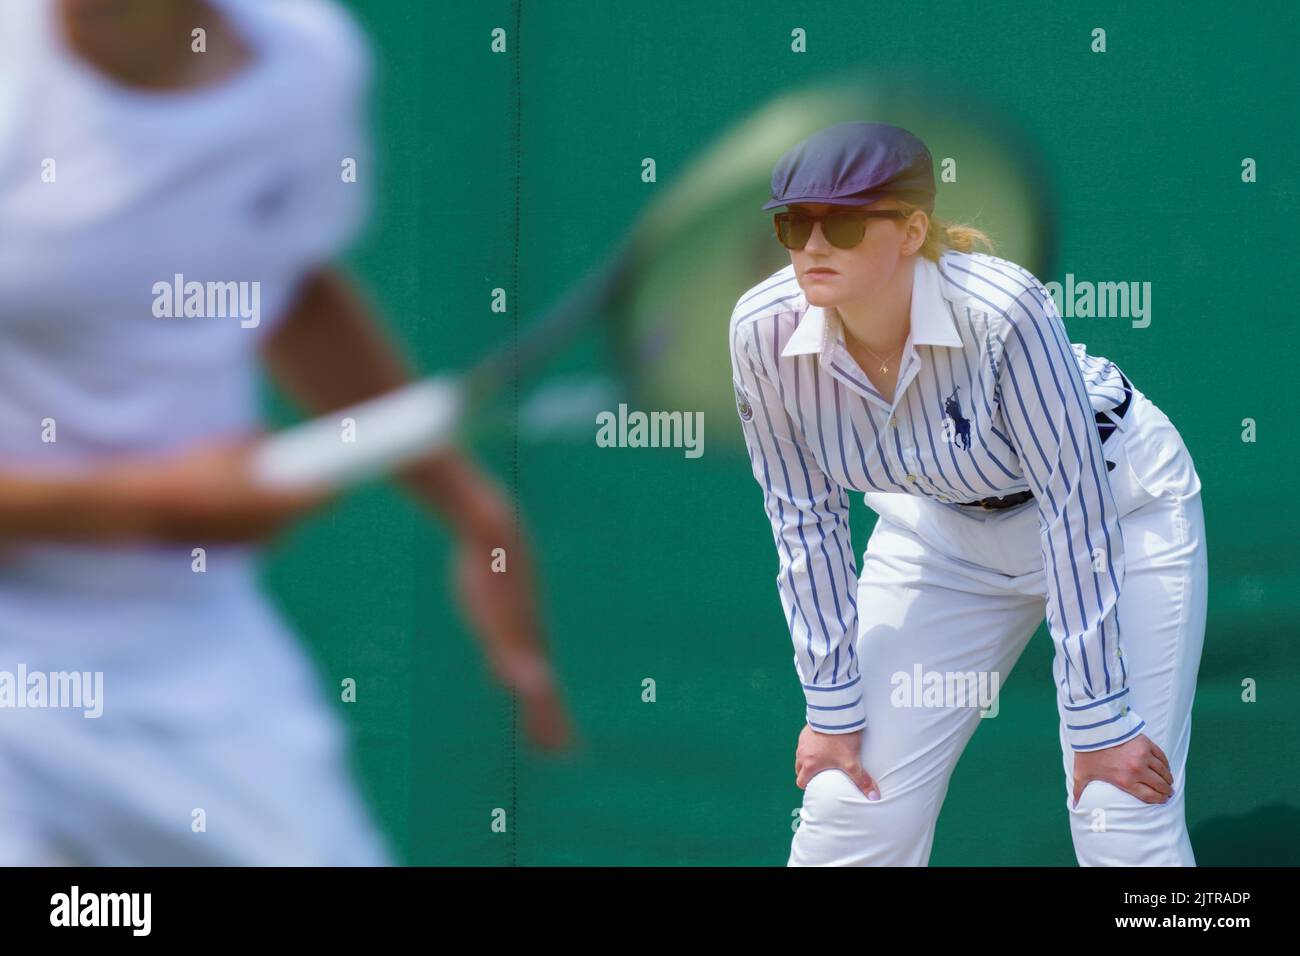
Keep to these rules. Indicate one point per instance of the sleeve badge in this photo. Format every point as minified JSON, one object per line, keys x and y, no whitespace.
{"x":745,"y":409}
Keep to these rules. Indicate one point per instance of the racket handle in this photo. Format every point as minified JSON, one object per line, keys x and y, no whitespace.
{"x":385,"y":433}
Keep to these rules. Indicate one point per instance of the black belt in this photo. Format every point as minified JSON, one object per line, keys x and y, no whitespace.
{"x":992,"y":504}
{"x":1106,"y":425}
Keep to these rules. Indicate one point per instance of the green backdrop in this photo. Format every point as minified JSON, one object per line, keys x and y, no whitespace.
{"x":520,"y":170}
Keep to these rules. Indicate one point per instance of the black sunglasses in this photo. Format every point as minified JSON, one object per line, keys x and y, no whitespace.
{"x":843,"y":228}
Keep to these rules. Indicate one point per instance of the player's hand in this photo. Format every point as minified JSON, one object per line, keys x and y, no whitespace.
{"x":501,"y":607}
{"x":817,"y":752}
{"x":205,"y":494}
{"x":1136,"y":766}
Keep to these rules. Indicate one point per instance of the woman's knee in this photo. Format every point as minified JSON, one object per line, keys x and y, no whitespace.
{"x":839,"y":826}
{"x":1111,"y":827}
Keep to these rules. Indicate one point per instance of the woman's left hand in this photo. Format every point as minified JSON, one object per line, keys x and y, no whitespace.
{"x":1136,"y":766}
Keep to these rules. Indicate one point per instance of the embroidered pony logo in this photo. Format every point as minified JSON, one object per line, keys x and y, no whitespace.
{"x":956,"y":429}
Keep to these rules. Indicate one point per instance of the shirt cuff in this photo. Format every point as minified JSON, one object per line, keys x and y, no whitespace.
{"x":836,"y":708}
{"x":1098,"y":724}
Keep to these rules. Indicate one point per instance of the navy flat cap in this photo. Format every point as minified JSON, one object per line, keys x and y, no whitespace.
{"x":852,"y":164}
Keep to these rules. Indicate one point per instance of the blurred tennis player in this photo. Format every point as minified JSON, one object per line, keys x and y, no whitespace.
{"x":172,"y":193}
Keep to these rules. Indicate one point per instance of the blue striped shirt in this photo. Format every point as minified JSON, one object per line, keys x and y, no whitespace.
{"x":991,"y":399}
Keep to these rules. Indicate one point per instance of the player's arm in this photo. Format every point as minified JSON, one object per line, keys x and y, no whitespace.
{"x":196,"y":494}
{"x":809,"y":515}
{"x":1052,"y":426}
{"x":330,"y":352}
{"x":37,"y":506}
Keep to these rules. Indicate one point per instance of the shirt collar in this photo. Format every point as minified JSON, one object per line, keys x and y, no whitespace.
{"x":930,"y":319}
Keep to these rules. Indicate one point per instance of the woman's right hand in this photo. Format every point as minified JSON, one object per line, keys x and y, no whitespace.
{"x":817,"y":752}
{"x":204,"y":493}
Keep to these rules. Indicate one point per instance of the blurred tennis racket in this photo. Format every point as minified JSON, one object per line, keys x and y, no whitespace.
{"x":666,"y":290}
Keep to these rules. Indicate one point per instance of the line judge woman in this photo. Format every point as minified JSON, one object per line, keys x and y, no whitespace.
{"x":1015,"y":477}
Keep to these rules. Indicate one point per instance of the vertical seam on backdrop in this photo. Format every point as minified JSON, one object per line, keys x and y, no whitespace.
{"x":514,"y":430}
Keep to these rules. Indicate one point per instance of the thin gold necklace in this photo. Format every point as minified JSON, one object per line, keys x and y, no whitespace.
{"x":884,"y":362}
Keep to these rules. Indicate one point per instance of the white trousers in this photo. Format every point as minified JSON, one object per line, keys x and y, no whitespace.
{"x":215,"y":745}
{"x":957,"y":592}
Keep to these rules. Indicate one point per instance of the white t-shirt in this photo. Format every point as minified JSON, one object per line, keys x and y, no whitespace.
{"x":107,"y":195}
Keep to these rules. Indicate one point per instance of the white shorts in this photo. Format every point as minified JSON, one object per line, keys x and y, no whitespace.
{"x":216,"y":745}
{"x":961,"y":592}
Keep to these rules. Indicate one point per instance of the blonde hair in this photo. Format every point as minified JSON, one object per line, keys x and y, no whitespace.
{"x":940,"y":236}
